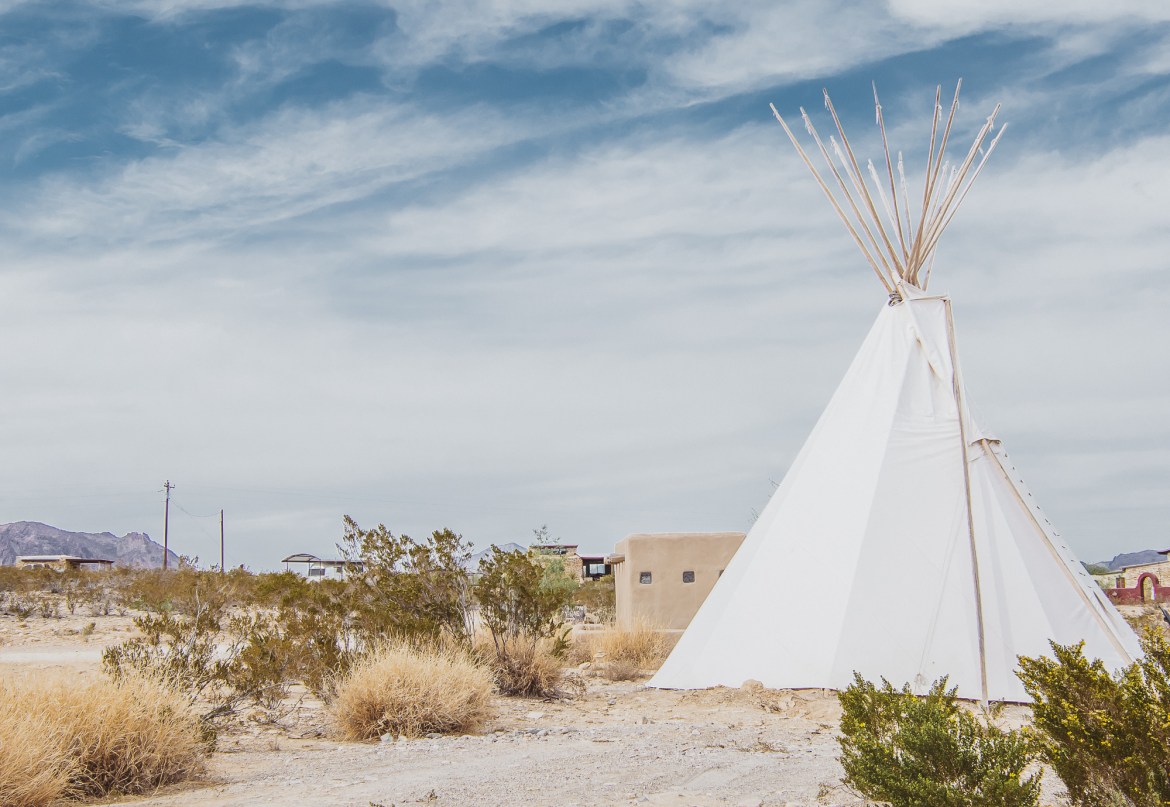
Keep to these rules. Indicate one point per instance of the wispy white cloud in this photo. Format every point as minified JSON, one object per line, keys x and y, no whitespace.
{"x":292,"y":163}
{"x":406,"y":306}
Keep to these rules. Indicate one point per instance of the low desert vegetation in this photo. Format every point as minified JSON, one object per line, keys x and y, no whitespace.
{"x":622,"y":653}
{"x":412,"y":691}
{"x":521,"y":611}
{"x":62,"y":739}
{"x":410,"y":643}
{"x":1107,"y":736}
{"x":625,"y":653}
{"x":599,"y":597}
{"x":930,"y":751}
{"x":225,"y":641}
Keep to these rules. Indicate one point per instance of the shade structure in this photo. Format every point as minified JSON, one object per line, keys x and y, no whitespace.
{"x":901,"y":544}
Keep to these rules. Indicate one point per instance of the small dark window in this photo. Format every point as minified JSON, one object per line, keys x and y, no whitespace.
{"x":688,"y":577}
{"x":720,"y":572}
{"x":644,"y":578}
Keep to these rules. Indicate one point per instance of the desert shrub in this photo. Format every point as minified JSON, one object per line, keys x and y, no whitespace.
{"x":534,"y":669}
{"x":1107,"y":736}
{"x":582,"y":647}
{"x":250,"y":658}
{"x":598,"y":596}
{"x":273,"y":589}
{"x":409,"y":588}
{"x":523,"y":619}
{"x":556,"y":579}
{"x":624,"y":652}
{"x":263,"y":660}
{"x":184,"y":589}
{"x":93,"y":739}
{"x":179,"y":652}
{"x":929,"y":751}
{"x":412,"y":691}
{"x":325,"y":634}
{"x":20,"y":606}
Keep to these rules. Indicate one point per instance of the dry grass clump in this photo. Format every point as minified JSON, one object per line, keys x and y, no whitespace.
{"x":529,"y":669}
{"x":582,"y":648}
{"x":626,"y":653}
{"x":412,"y":692}
{"x":67,"y":739}
{"x":33,"y":771}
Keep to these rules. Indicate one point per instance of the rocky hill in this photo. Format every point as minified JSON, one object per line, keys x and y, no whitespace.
{"x":34,"y":538}
{"x":1133,"y":558}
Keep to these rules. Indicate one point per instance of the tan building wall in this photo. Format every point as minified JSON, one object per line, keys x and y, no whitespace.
{"x":682,"y":568}
{"x":1131,"y":574}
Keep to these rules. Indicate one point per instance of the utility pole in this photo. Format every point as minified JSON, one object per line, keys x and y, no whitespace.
{"x":222,"y":568}
{"x":167,"y":523}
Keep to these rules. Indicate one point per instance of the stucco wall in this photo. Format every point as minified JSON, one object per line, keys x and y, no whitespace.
{"x":1147,"y":582}
{"x":666,"y":601}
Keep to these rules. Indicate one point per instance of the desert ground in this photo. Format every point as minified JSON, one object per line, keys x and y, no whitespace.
{"x":618,"y":743}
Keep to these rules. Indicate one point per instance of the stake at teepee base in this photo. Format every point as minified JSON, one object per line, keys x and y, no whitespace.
{"x":940,"y":562}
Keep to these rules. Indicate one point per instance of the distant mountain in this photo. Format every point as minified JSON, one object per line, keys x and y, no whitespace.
{"x":34,"y":538}
{"x":1133,"y":558}
{"x":472,"y":564}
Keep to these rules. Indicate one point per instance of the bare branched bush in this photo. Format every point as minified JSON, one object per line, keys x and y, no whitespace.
{"x":411,"y":692}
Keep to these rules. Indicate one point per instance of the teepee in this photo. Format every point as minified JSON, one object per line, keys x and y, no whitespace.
{"x":902,"y":542}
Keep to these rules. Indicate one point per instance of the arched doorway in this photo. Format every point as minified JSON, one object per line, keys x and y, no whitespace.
{"x":1149,"y":585}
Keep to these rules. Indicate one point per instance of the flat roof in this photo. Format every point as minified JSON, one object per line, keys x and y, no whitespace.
{"x":58,"y":559}
{"x":305,"y":557}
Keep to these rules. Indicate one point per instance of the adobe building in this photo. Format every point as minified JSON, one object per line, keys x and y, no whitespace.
{"x":661,"y":579}
{"x":1141,"y":582}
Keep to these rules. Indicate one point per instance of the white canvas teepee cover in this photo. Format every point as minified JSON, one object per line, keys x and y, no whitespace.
{"x":901,"y":544}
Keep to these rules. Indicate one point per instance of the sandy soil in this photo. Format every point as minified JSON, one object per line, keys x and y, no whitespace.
{"x":619,"y":743}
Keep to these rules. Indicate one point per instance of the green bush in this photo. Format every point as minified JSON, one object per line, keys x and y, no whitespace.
{"x":598,"y":596}
{"x":412,"y":589}
{"x":930,"y":751}
{"x":1107,"y":736}
{"x":521,"y":612}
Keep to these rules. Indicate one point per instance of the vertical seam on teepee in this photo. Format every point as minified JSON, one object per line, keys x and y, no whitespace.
{"x":1062,"y":562}
{"x":957,"y":388}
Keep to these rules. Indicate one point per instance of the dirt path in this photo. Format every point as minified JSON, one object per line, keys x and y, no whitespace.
{"x":620,"y":744}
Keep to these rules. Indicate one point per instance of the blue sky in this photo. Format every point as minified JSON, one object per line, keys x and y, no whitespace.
{"x":489,"y":266}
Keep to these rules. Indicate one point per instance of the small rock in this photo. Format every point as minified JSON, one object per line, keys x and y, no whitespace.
{"x":535,"y":715}
{"x":387,"y":737}
{"x":434,"y":735}
{"x":611,"y":701}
